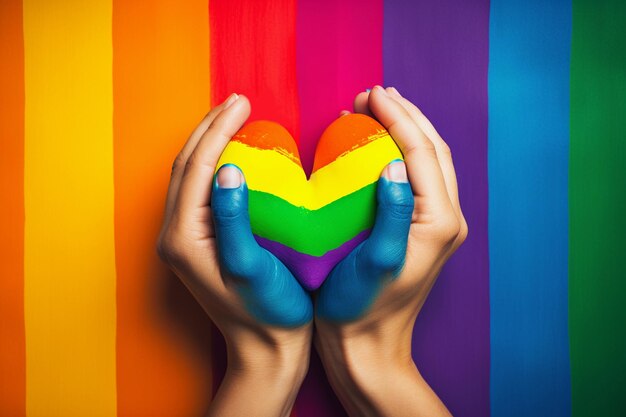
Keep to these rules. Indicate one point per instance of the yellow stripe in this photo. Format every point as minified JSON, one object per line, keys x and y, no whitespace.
{"x":272,"y":172}
{"x":69,"y":264}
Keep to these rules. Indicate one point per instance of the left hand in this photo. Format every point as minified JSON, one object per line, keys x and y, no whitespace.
{"x":258,"y":305}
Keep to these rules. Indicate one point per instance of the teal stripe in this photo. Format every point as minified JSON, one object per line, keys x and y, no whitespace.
{"x":528,"y":207}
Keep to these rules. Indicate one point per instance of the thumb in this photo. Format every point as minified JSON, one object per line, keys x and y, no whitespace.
{"x":385,"y":249}
{"x":269,"y":291}
{"x":239,"y":254}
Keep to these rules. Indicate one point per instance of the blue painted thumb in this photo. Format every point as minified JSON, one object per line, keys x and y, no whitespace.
{"x":237,"y":250}
{"x":385,"y":249}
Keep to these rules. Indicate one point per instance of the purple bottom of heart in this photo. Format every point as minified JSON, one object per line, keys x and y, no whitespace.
{"x":310,"y":270}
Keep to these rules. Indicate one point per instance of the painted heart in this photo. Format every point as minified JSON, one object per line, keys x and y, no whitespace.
{"x":310,"y":225}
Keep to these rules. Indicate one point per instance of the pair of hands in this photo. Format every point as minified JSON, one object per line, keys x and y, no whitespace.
{"x":364,"y":312}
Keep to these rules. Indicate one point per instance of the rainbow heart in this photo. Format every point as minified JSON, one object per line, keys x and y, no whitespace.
{"x":310,"y":225}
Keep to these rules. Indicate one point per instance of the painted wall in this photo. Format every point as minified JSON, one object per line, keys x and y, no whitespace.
{"x":97,"y":97}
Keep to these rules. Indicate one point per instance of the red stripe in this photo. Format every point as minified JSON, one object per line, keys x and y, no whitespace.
{"x":253,"y":53}
{"x":339,"y":54}
{"x":161,"y":91}
{"x":12,"y":332}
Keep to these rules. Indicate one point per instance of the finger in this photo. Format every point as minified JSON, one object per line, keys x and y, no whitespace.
{"x":269,"y":291}
{"x":443,"y":150}
{"x":181,"y":159}
{"x":239,"y":254}
{"x":196,"y":183}
{"x":419,"y":152}
{"x":384,"y":250}
{"x":344,"y":113}
{"x":361,"y":105}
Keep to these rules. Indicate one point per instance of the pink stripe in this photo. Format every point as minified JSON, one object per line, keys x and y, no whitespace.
{"x":339,"y":54}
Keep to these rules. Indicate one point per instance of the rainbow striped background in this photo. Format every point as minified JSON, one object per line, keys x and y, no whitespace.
{"x":527,"y":319}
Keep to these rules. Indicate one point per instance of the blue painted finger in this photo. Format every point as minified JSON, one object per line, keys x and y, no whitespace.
{"x":385,"y":250}
{"x":270,"y":292}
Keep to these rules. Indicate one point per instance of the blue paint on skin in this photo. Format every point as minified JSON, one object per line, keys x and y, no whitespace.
{"x":353,"y":285}
{"x":270,"y":292}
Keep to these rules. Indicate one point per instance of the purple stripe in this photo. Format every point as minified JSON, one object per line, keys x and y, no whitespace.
{"x":310,"y":270}
{"x":436,"y":54}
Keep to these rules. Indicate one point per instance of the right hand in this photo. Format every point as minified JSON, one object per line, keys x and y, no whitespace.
{"x":366,"y":308}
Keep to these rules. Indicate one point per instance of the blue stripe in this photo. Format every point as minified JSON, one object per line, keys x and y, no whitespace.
{"x":528,"y":209}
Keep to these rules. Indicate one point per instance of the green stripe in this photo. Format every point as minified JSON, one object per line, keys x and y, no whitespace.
{"x":313,"y":232}
{"x":597,"y":192}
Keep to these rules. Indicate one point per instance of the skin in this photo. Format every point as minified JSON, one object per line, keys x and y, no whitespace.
{"x":367,"y":351}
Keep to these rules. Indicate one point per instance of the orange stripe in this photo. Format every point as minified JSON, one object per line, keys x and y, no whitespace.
{"x":355,"y":131}
{"x":265,"y":134}
{"x":12,"y":347}
{"x":161,"y":91}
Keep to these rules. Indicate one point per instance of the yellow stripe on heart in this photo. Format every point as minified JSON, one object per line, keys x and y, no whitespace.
{"x":271,"y":172}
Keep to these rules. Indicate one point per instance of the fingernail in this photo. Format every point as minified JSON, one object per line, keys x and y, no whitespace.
{"x":344,"y":113}
{"x":393,"y":89}
{"x":367,"y":90}
{"x":380,"y":89}
{"x":396,"y":171}
{"x":230,"y":100}
{"x":229,"y":176}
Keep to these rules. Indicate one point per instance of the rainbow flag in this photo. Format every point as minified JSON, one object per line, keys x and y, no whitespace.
{"x":97,"y":97}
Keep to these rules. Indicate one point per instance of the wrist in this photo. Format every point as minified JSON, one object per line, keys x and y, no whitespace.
{"x":277,"y":353}
{"x":373,"y":374}
{"x":360,"y":369}
{"x":264,"y":372}
{"x":355,"y":350}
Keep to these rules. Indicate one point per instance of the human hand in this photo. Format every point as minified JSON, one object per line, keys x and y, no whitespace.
{"x":260,"y":308}
{"x":366,"y":309}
